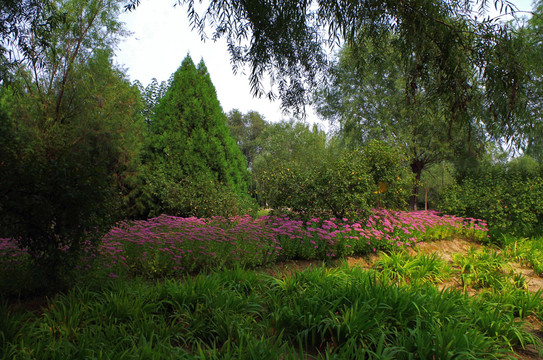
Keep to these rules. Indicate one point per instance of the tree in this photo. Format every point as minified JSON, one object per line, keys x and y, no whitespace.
{"x":19,"y":19}
{"x":372,"y":95}
{"x":191,"y":159}
{"x":529,"y":45}
{"x":301,"y":171}
{"x":69,"y":139}
{"x":506,"y":194}
{"x":291,"y":154}
{"x":152,"y":94}
{"x":286,"y":40}
{"x":293,"y":141}
{"x":247,"y":130}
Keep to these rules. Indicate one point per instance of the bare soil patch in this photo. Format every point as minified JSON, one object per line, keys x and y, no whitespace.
{"x":445,"y":248}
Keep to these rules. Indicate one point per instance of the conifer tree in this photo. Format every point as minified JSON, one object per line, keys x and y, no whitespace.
{"x":194,"y":165}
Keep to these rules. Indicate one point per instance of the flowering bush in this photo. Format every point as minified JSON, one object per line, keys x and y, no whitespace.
{"x":169,"y":245}
{"x":384,"y":230}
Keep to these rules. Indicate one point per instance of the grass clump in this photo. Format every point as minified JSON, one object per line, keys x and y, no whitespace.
{"x":526,"y":251}
{"x":405,"y":268}
{"x":326,"y":313}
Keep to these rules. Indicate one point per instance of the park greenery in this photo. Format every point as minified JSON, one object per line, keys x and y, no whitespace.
{"x":142,"y":221}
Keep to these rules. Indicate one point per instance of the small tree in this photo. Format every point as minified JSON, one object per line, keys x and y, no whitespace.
{"x":303,"y":172}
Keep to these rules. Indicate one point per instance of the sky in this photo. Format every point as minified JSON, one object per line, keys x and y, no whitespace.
{"x":162,"y":37}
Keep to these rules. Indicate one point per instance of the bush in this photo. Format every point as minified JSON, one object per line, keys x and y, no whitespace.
{"x":348,"y":186}
{"x":201,"y":197}
{"x":60,"y":172}
{"x":508,"y":197}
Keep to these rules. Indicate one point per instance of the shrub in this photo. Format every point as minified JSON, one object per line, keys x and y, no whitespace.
{"x":508,"y":197}
{"x":348,"y":186}
{"x":192,"y":197}
{"x":60,"y":170}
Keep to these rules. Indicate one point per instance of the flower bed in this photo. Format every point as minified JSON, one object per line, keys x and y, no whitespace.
{"x":168,"y":245}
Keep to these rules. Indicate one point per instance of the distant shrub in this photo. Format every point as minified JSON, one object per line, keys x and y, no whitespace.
{"x":509,"y":197}
{"x":348,"y":186}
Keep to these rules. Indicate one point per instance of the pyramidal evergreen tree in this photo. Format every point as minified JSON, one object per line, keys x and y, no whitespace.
{"x":193,"y":167}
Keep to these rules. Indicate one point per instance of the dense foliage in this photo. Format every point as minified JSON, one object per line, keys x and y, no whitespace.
{"x":69,"y":139}
{"x":344,"y":184}
{"x":249,"y":131}
{"x":509,"y":196}
{"x":192,"y":166}
{"x":288,"y":41}
{"x":319,"y":313}
{"x":372,"y":95}
{"x":402,"y":303}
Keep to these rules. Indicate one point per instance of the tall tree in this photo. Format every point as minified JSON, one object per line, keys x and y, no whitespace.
{"x":373,"y":95}
{"x":247,"y":130}
{"x":70,"y":137}
{"x":191,"y":153}
{"x":528,"y":36}
{"x":286,"y":40}
{"x":151,"y":94}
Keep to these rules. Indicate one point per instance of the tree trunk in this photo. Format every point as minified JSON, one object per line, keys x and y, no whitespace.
{"x":416,"y":167}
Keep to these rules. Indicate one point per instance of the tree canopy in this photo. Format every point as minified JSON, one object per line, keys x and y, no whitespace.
{"x":289,"y":40}
{"x":69,"y":123}
{"x":530,"y":50}
{"x":190,"y":154}
{"x":247,"y":129}
{"x":372,"y":95}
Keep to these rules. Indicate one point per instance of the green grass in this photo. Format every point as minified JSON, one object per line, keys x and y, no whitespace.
{"x":404,"y":268}
{"x":328,"y":313}
{"x":393,"y":310}
{"x":528,"y":252}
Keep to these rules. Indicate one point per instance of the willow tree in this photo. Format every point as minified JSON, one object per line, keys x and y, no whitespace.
{"x":376,"y":91}
{"x":528,"y":43}
{"x":287,"y":41}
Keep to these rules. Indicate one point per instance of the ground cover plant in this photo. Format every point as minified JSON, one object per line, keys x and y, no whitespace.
{"x":526,"y":251}
{"x":141,"y":299}
{"x":167,"y":245}
{"x":323,"y":313}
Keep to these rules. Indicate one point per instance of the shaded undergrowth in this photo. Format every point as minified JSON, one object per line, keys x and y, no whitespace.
{"x":325,"y":313}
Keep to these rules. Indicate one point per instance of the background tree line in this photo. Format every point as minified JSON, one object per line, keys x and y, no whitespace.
{"x":82,"y":147}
